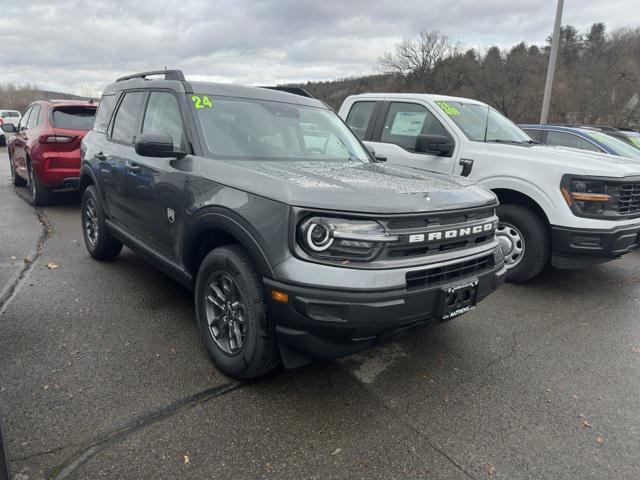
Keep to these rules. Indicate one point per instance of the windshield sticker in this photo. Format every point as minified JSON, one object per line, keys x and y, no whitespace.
{"x":635,"y":141}
{"x":201,"y":102}
{"x":448,"y":109}
{"x":408,"y":123}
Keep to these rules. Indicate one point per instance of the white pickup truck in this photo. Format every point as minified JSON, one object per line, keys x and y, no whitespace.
{"x":565,"y":206}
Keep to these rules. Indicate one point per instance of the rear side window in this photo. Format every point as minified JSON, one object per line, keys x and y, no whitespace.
{"x":33,"y":118}
{"x":405,"y":121}
{"x":163,"y":116}
{"x":105,"y":109}
{"x":126,"y":122}
{"x":74,"y":118}
{"x":359,"y":117}
{"x":9,"y":114}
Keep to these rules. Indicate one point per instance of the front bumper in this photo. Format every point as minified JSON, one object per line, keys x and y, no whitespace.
{"x":329,"y":324}
{"x":580,"y":248}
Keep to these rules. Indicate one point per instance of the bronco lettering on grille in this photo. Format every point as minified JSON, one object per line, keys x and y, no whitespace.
{"x":453,"y":233}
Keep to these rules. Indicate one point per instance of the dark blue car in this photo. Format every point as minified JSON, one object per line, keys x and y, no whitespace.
{"x":584,"y":138}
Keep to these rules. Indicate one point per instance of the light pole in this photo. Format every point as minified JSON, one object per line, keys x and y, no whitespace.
{"x":551,"y":69}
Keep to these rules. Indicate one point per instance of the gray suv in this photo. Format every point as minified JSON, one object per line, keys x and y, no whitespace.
{"x":297,"y":242}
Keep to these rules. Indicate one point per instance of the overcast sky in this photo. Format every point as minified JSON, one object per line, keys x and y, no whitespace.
{"x":64,"y":44}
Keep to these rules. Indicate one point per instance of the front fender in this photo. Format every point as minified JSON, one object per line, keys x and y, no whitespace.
{"x":216,"y":218}
{"x":538,"y":195}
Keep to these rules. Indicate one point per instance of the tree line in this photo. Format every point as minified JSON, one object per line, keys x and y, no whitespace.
{"x":18,"y":97}
{"x":597,"y":77}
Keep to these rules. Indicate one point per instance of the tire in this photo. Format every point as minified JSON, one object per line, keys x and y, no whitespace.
{"x":16,"y":179}
{"x":255,"y":353}
{"x":519,"y":224}
{"x":3,"y":141}
{"x":97,"y":238}
{"x":40,"y":195}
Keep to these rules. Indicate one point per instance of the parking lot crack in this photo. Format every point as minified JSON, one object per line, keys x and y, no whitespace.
{"x":88,"y":450}
{"x":14,"y":286}
{"x":31,"y":456}
{"x":403,"y":420}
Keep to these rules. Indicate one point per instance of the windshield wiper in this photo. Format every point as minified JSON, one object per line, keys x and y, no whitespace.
{"x":501,"y":140}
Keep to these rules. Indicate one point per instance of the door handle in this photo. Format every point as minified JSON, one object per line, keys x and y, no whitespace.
{"x":101,"y":156}
{"x":132,"y":167}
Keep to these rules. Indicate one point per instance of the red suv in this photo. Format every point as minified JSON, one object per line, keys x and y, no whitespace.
{"x":45,"y":148}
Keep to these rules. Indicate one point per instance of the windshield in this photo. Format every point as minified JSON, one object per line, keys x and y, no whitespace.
{"x":633,"y":137}
{"x":481,"y":123}
{"x":619,"y":147}
{"x":258,"y":129}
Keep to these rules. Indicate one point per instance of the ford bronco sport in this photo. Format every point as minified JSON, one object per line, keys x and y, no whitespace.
{"x":296,"y":242}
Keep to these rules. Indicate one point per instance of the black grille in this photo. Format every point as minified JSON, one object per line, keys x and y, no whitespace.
{"x":628,"y":199}
{"x":420,"y":222}
{"x":448,"y":273}
{"x":404,"y":226}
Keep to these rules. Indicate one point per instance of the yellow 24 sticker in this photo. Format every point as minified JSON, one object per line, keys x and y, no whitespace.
{"x":201,"y":102}
{"x":448,"y":109}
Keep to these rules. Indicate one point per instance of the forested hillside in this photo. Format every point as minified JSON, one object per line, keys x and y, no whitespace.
{"x":597,"y":79}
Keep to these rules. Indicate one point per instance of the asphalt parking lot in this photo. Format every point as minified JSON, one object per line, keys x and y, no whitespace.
{"x":102,"y":375}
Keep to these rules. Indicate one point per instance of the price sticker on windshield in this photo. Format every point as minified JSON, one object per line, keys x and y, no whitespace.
{"x":201,"y":101}
{"x":448,"y":109}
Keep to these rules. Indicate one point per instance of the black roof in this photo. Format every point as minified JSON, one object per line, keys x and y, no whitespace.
{"x":175,"y":80}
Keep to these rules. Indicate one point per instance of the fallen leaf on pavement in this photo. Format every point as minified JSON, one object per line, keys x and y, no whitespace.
{"x":185,"y":459}
{"x":599,"y":439}
{"x":491,"y":470}
{"x":12,"y":257}
{"x":586,"y":424}
{"x":336,"y":451}
{"x":51,"y":265}
{"x":635,"y":349}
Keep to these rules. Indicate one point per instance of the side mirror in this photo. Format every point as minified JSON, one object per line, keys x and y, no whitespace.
{"x":8,"y":127}
{"x":372,"y":151}
{"x":156,"y":145}
{"x":435,"y":145}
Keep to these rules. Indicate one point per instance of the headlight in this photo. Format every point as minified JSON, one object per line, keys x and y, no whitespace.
{"x":318,"y":236}
{"x":342,"y":239}
{"x":587,"y":197}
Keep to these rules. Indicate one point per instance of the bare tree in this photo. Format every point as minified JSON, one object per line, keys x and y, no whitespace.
{"x":90,"y":91}
{"x":415,"y":57}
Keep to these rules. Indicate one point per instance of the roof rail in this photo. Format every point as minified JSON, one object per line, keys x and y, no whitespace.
{"x":168,"y":75}
{"x":295,"y":90}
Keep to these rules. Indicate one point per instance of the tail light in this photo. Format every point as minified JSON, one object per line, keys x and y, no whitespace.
{"x":56,"y":138}
{"x":1,"y":121}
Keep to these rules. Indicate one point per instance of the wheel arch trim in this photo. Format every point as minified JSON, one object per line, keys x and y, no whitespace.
{"x":222,"y":219}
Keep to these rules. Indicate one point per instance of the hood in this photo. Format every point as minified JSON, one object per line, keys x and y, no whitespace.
{"x":574,"y":160}
{"x":349,"y":186}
